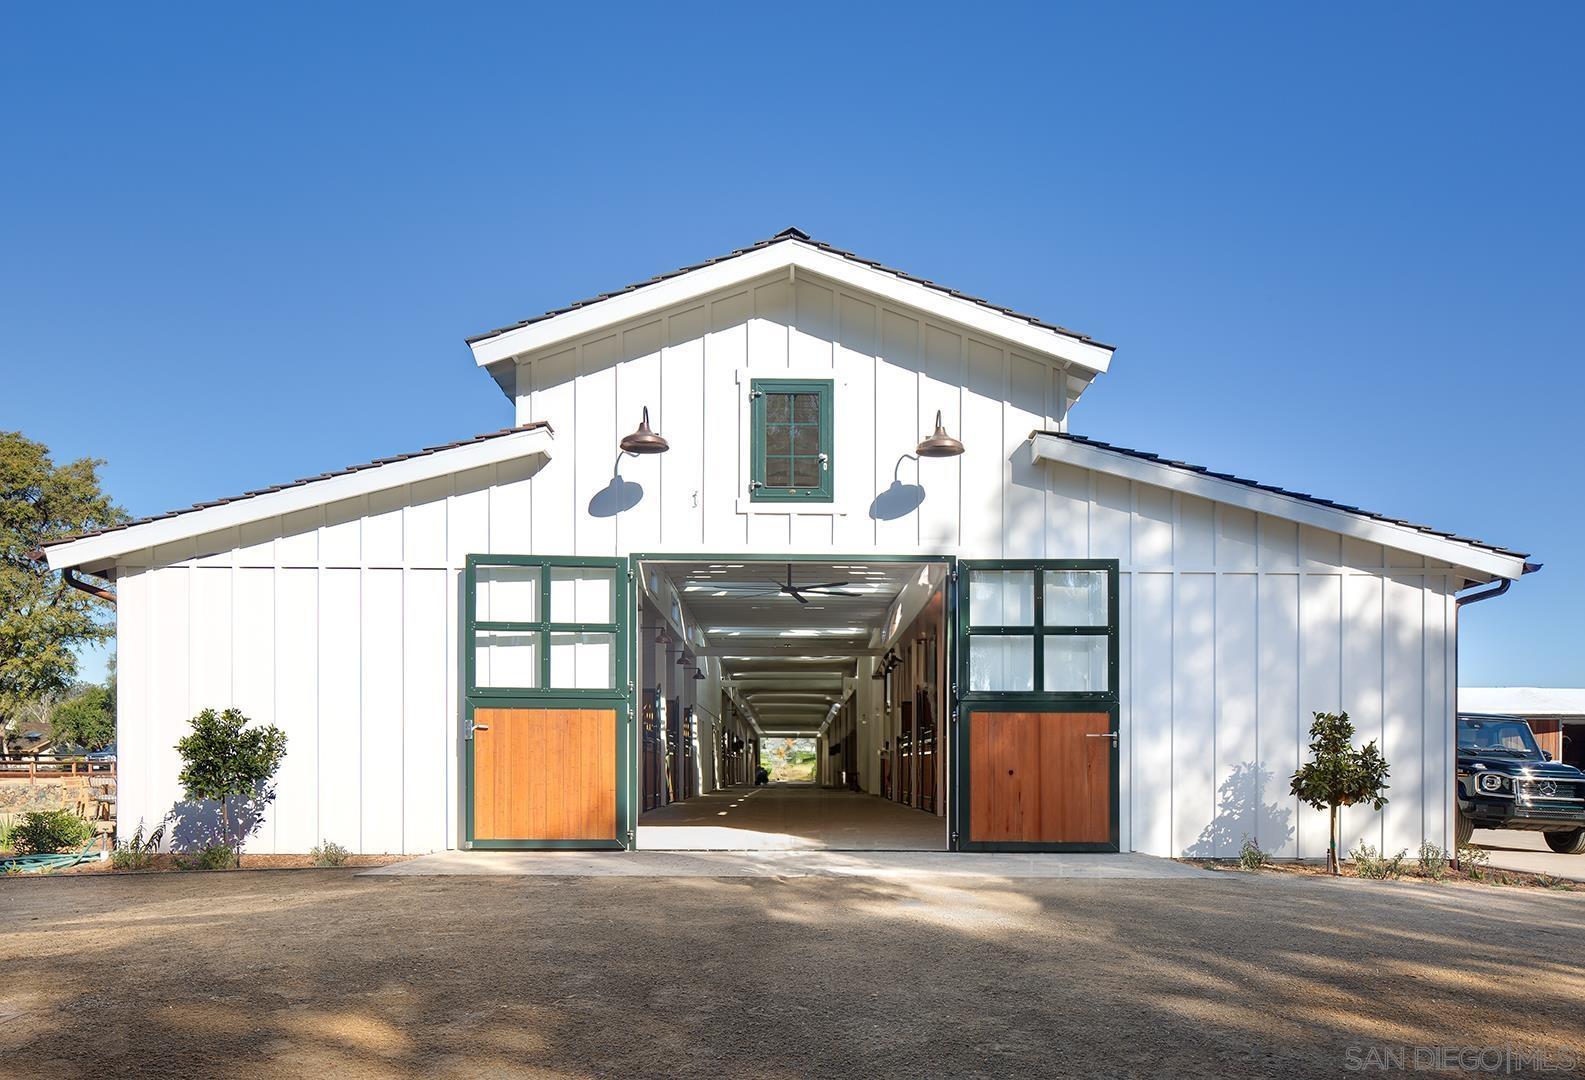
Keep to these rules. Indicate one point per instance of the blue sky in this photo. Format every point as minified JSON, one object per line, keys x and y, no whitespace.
{"x":1339,"y":250}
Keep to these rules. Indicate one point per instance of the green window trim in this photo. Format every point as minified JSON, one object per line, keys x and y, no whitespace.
{"x":787,"y":443}
{"x":545,"y":627}
{"x":1038,"y":632}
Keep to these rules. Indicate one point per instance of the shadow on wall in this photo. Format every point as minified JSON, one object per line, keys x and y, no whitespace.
{"x":1240,"y":813}
{"x":900,"y":499}
{"x":617,"y":496}
{"x":193,"y":825}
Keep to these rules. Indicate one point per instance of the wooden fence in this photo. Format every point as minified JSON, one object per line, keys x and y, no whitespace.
{"x":51,"y":766}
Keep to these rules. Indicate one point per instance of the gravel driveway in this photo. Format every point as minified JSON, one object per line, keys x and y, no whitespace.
{"x":299,"y":973}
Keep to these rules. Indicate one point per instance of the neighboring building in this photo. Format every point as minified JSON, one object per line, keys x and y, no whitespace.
{"x":1556,"y":714}
{"x":529,"y":638}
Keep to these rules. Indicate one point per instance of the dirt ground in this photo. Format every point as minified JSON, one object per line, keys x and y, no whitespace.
{"x":320,"y":972}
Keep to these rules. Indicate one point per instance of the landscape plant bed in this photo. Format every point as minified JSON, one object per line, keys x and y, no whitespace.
{"x":165,"y":864}
{"x":1411,"y":873}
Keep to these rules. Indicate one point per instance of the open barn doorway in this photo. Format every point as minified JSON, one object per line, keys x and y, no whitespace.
{"x":793,"y":704}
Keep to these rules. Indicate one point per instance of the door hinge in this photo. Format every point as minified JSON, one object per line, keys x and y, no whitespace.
{"x":752,"y":394}
{"x":631,"y":840}
{"x":755,"y":485}
{"x":630,"y":575}
{"x":953,"y":839}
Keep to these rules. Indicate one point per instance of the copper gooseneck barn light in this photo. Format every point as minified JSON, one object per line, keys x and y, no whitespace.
{"x":644,"y":441}
{"x":940,"y":444}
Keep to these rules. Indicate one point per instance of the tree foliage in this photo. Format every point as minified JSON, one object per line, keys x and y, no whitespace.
{"x":87,"y":718}
{"x":1338,"y":775}
{"x":42,"y":619}
{"x":224,"y":759}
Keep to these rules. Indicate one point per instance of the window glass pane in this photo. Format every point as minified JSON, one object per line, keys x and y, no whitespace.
{"x":1075,"y":663}
{"x":1075,"y":598}
{"x":778,"y":439}
{"x":1002,"y":598}
{"x":806,"y":408}
{"x":582,"y":594}
{"x":506,"y":658}
{"x":778,"y":472}
{"x":806,"y":472}
{"x":806,"y":440}
{"x":506,"y":593}
{"x":778,"y":408}
{"x":1001,"y":663}
{"x":583,"y":661}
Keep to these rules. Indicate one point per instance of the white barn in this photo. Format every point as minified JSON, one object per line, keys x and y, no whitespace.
{"x":532,"y":638}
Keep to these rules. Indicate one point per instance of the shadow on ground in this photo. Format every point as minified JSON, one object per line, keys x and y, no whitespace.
{"x":319,"y":972}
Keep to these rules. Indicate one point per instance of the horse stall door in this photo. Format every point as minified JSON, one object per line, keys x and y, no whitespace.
{"x":544,"y":774}
{"x":1042,"y":779}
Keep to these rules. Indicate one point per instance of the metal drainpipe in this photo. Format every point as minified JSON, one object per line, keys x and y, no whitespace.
{"x":1458,"y":605}
{"x":69,"y":575}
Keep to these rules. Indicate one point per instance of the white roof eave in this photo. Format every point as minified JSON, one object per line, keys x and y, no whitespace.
{"x":101,"y":548}
{"x":794,"y":255}
{"x":1484,"y":562}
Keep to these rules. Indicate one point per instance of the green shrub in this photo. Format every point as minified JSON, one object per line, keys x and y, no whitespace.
{"x":1474,"y":861}
{"x":224,"y":759}
{"x":137,"y":853}
{"x":1369,"y":863}
{"x":213,"y":857}
{"x":1433,"y":860}
{"x":43,"y":832}
{"x":8,"y":822}
{"x":329,"y":853}
{"x":1250,"y":857}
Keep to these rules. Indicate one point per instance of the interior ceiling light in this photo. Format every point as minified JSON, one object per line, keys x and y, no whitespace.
{"x":940,"y":444}
{"x":645,"y":441}
{"x":698,"y":674}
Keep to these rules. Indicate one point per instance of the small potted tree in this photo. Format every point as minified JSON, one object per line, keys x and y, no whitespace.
{"x":224,"y":759}
{"x":1338,"y":775}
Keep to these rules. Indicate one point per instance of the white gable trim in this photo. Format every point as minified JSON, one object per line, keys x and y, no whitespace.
{"x":470,"y":455}
{"x":1441,"y":549}
{"x":793,"y":256}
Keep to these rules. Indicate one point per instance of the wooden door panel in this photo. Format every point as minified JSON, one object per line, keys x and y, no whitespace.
{"x":544,"y":774}
{"x":1036,"y":777}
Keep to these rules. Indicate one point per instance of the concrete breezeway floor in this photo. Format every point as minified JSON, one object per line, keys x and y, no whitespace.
{"x":790,"y":817}
{"x":921,"y":865}
{"x":327,"y":972}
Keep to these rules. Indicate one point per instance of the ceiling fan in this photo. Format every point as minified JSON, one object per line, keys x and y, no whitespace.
{"x":800,"y":592}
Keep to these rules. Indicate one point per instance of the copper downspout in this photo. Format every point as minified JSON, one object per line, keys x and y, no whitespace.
{"x":69,"y":575}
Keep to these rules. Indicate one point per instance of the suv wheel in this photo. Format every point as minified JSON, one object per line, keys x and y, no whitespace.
{"x":1463,"y":828}
{"x":1567,"y":843}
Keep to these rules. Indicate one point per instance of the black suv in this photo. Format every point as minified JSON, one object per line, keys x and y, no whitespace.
{"x":1506,"y":781}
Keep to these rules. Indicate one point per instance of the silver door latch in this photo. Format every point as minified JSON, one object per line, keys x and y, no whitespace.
{"x":481,"y":727}
{"x":1103,"y":735}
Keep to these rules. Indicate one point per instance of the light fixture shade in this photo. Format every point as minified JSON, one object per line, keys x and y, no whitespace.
{"x":644,"y":441}
{"x":940,"y":444}
{"x":698,"y":674}
{"x":684,"y":660}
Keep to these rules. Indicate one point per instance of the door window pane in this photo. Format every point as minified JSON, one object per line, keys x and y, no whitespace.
{"x":1075,"y":598}
{"x":582,"y":661}
{"x":806,"y":408}
{"x":582,"y":594}
{"x":806,"y":472}
{"x":1075,"y":663}
{"x":1002,"y":598}
{"x":506,"y":594}
{"x":778,"y":472}
{"x":506,"y":659}
{"x":1001,"y":663}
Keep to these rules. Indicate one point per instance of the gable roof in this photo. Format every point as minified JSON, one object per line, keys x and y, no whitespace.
{"x":1462,"y":551}
{"x":260,"y":503}
{"x":1084,"y":350}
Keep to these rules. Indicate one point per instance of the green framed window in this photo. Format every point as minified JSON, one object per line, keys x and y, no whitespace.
{"x":1039,"y":629}
{"x":791,"y":440}
{"x":543,"y":627}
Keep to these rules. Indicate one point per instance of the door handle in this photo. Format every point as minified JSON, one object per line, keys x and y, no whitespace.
{"x":1102,"y":735}
{"x":481,"y":727}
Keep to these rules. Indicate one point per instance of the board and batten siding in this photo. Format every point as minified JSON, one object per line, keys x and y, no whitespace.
{"x":892,"y":369}
{"x":1236,"y":627}
{"x":339,"y":623}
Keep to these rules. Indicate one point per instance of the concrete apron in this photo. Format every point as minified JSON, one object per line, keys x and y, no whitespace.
{"x":938,"y":865}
